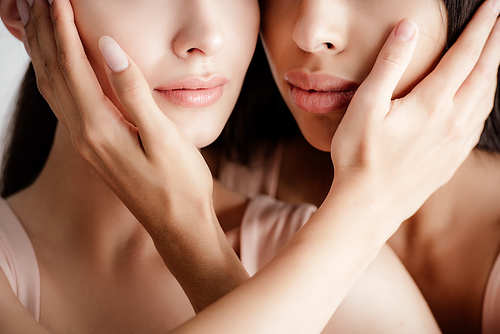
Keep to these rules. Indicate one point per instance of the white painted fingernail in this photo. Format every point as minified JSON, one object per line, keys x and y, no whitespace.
{"x":113,"y":54}
{"x":24,"y":10}
{"x":496,"y":6}
{"x":405,"y":30}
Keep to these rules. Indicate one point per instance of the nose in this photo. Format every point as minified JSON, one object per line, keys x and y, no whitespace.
{"x":201,"y":33}
{"x":317,"y":29}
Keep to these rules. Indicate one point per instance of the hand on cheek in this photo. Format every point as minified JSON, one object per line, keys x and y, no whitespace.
{"x":411,"y":146}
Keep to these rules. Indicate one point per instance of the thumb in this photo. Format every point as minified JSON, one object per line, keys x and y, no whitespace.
{"x":390,"y":65}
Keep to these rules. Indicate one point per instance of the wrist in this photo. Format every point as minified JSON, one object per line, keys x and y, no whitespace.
{"x":372,"y":214}
{"x":202,"y":260}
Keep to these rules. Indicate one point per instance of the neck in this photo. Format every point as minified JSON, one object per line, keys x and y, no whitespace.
{"x":470,"y":196}
{"x":72,"y":202}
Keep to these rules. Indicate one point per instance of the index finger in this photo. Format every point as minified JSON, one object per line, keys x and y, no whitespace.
{"x":76,"y":68}
{"x":461,"y":58}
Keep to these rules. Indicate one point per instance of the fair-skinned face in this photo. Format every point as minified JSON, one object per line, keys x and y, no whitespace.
{"x":320,"y":51}
{"x":180,"y":47}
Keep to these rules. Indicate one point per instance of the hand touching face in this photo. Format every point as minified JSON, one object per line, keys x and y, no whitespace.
{"x":320,"y":51}
{"x":193,"y":54}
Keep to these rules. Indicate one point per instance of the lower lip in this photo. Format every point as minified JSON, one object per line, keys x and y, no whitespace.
{"x":194,"y":98}
{"x":320,"y":102}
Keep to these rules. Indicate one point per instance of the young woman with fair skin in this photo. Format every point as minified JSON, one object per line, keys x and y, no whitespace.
{"x":451,"y":244}
{"x":175,"y":206}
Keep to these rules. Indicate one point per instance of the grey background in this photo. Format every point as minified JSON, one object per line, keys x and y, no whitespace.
{"x":13,"y":64}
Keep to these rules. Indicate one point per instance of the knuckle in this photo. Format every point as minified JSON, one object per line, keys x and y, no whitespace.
{"x":391,"y":60}
{"x":50,"y":67}
{"x":133,"y":93}
{"x":64,"y":61}
{"x":37,"y":17}
{"x":31,"y":38}
{"x":486,"y":74}
{"x":90,"y":139}
{"x":472,"y":51}
{"x":457,"y":128}
{"x":82,"y":147}
{"x":58,"y":19}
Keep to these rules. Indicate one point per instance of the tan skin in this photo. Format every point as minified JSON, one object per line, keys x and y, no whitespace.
{"x":128,"y":274}
{"x":60,"y":183}
{"x":101,"y":271}
{"x":450,"y":244}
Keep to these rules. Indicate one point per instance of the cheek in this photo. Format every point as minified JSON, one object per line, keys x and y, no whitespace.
{"x":426,"y":57}
{"x":240,"y":22}
{"x":96,"y":18}
{"x":133,"y":26}
{"x":430,"y":47}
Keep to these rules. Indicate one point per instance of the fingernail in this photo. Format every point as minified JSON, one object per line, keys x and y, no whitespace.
{"x":113,"y":54}
{"x":24,"y":10}
{"x":496,"y":6}
{"x":27,"y":46}
{"x":405,"y":30}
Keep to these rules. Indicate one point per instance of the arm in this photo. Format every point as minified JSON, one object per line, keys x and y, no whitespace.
{"x":335,"y":229}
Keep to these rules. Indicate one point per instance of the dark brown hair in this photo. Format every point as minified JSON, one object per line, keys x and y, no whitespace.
{"x":252,"y":131}
{"x":259,"y":121}
{"x":32,"y":129}
{"x":459,"y":14}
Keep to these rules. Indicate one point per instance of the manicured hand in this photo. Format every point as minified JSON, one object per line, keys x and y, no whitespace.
{"x":149,"y":164}
{"x":401,"y":151}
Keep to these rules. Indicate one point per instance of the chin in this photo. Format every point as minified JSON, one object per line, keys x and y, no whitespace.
{"x":319,"y":131}
{"x":201,"y":136}
{"x":321,"y":145}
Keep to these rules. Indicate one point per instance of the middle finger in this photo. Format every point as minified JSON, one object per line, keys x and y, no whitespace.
{"x":46,"y":63}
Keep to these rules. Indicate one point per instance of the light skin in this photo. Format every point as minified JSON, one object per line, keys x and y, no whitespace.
{"x":457,"y":223}
{"x":356,"y":32}
{"x":69,"y":190}
{"x":291,"y":270}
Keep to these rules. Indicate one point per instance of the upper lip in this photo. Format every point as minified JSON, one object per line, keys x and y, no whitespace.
{"x":321,"y":82}
{"x":193,"y":83}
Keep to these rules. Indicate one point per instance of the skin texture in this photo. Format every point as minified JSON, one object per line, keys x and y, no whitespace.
{"x":68,"y":190}
{"x":221,"y":43}
{"x":450,"y":244}
{"x":356,"y":31}
{"x":330,"y":237}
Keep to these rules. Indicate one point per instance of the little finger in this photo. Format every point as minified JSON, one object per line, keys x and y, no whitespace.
{"x":461,"y":58}
{"x":483,"y":80}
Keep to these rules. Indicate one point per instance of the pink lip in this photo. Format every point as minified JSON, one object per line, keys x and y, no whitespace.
{"x":319,"y":93}
{"x":194,"y":92}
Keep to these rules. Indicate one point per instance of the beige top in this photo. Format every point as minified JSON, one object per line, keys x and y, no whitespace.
{"x":266,"y":227}
{"x":18,"y":260}
{"x":263,"y":179}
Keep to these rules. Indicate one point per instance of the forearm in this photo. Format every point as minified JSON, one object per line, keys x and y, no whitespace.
{"x":314,"y":271}
{"x":200,"y":258}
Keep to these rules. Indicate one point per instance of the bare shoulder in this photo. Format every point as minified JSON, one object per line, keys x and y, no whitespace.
{"x":14,"y":318}
{"x":384,"y":300}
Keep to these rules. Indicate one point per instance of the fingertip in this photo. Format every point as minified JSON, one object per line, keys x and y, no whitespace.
{"x":405,"y":30}
{"x":495,"y":5}
{"x":113,"y":54}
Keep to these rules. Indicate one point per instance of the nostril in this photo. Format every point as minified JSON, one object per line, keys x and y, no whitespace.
{"x":329,"y":45}
{"x":191,"y":50}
